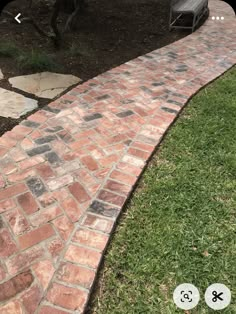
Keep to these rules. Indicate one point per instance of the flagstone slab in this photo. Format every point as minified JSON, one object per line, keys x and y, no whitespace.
{"x":45,"y":84}
{"x":14,"y":105}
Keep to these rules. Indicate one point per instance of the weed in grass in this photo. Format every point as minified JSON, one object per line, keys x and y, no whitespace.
{"x":9,"y":50}
{"x":37,"y":62}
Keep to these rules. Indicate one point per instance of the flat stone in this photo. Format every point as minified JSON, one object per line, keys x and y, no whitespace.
{"x":13,"y":105}
{"x":45,"y":84}
{"x":1,"y":75}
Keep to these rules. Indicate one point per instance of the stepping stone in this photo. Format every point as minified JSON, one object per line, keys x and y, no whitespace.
{"x":13,"y":105}
{"x":1,"y":75}
{"x":45,"y":84}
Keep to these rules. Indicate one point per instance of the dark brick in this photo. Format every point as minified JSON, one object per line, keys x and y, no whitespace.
{"x":167,"y":91}
{"x":180,"y":95}
{"x":103,"y":97}
{"x":93,"y":117}
{"x":146,"y":90}
{"x":157,"y":83}
{"x":30,"y":124}
{"x":225,"y":64}
{"x":15,"y":285}
{"x":169,"y":110}
{"x":45,"y":139}
{"x":53,"y":110}
{"x":36,"y":186}
{"x":127,"y":101}
{"x":175,"y":102}
{"x":148,"y":57}
{"x":100,"y":208}
{"x":54,"y":129}
{"x":155,"y":53}
{"x":53,"y":158}
{"x":81,"y":92}
{"x":85,"y":105}
{"x":163,"y":97}
{"x":128,"y":142}
{"x":66,"y":137}
{"x":67,"y":101}
{"x":181,"y":70}
{"x":125,"y":114}
{"x":172,"y":55}
{"x":38,"y":150}
{"x":182,"y":66}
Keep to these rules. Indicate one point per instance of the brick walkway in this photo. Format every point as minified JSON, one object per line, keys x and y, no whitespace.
{"x":66,"y":171}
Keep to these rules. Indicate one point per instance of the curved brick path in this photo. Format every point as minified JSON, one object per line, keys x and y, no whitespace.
{"x":66,"y":171}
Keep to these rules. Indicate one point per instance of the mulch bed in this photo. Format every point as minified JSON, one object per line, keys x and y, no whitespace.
{"x":108,"y":33}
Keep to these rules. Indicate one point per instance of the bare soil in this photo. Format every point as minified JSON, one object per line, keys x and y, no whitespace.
{"x":107,"y":34}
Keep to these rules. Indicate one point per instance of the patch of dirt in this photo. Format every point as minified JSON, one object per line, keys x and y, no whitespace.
{"x":107,"y":34}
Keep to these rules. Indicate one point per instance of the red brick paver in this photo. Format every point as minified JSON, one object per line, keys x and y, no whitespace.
{"x":66,"y":171}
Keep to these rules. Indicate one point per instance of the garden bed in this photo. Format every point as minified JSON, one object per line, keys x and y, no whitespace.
{"x":107,"y":34}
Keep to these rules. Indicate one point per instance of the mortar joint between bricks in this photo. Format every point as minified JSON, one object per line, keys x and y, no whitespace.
{"x":86,"y":228}
{"x":60,"y":257}
{"x":13,"y":235}
{"x":106,"y":178}
{"x":64,"y":261}
{"x":46,"y":303}
{"x":71,"y":285}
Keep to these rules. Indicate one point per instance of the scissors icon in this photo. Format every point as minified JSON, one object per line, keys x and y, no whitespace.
{"x":217,"y":296}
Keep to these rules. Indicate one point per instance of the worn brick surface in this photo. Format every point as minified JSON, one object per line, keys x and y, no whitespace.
{"x":15,"y":285}
{"x":12,"y":307}
{"x":17,"y":221}
{"x":67,"y":170}
{"x":83,"y":256}
{"x":90,"y":238}
{"x":67,"y":297}
{"x":6,"y":205}
{"x":72,"y":209}
{"x":44,"y":271}
{"x":76,"y":275}
{"x":31,"y":298}
{"x":28,"y":203}
{"x":8,"y":245}
{"x":64,"y":227}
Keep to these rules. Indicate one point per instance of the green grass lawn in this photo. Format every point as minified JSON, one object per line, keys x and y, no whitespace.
{"x":180,"y":225}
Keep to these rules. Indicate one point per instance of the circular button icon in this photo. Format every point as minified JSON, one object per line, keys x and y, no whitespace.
{"x":186,"y":296}
{"x":217,"y":296}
